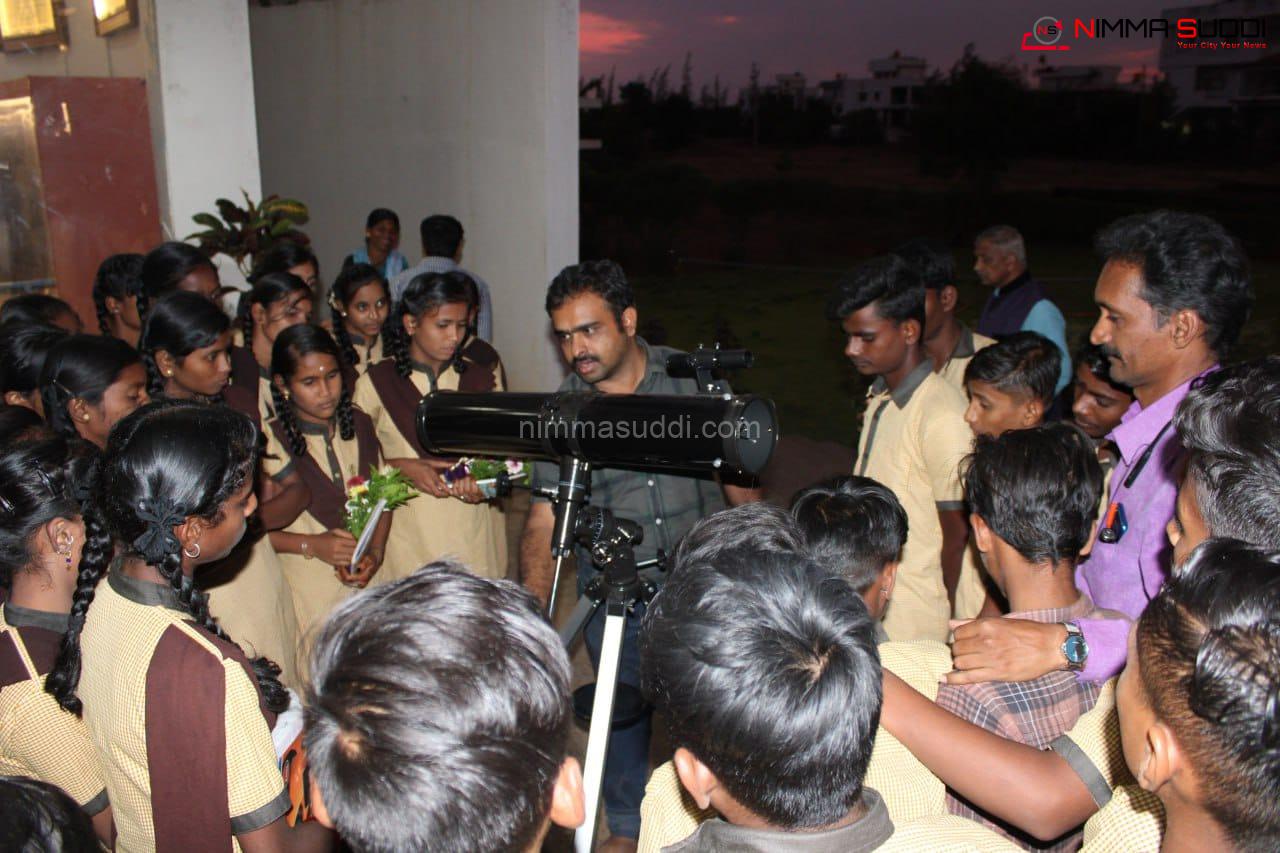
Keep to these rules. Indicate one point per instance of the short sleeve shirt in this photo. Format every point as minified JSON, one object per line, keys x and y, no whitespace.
{"x":664,"y":505}
{"x":38,"y":739}
{"x":176,"y":716}
{"x":913,"y":440}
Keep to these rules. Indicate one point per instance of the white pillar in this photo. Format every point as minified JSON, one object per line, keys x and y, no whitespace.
{"x":202,"y":113}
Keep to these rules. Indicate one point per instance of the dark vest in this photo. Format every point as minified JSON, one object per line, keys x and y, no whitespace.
{"x":328,"y":502}
{"x":1004,"y":313}
{"x":400,"y":397}
{"x":245,"y":373}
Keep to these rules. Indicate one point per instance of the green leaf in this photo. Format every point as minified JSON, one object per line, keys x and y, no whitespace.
{"x":230,"y":212}
{"x":209,"y":221}
{"x":284,"y":226}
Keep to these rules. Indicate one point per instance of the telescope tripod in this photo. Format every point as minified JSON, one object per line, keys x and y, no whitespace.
{"x":618,"y":588}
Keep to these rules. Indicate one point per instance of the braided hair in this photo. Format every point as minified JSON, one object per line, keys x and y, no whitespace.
{"x":83,"y":367}
{"x":425,"y":294}
{"x":38,"y":483}
{"x":345,"y":286}
{"x":290,"y":346}
{"x":179,"y":324}
{"x":168,"y":461}
{"x":119,"y":277}
{"x":164,"y":268}
{"x":267,"y":290}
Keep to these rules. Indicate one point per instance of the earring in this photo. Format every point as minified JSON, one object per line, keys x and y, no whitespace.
{"x":84,"y":417}
{"x":168,"y":373}
{"x":189,"y":555}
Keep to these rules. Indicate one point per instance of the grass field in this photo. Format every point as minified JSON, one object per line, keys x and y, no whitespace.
{"x":778,"y":314}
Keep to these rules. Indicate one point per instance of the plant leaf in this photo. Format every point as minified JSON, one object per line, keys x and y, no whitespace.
{"x":209,"y":221}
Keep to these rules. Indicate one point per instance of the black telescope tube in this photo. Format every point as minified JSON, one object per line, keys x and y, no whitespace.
{"x":623,"y":430}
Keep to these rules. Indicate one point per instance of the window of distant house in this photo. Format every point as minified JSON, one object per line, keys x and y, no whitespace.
{"x":862,"y":97}
{"x":1211,"y":79}
{"x":875,"y":96}
{"x":898,"y":95}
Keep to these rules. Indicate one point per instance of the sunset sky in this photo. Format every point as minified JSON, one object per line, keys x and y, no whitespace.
{"x":821,"y":37}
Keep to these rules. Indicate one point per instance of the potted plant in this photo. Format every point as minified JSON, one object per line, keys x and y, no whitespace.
{"x":246,"y":233}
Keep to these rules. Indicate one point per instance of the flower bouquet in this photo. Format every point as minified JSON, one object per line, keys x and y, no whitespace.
{"x":486,"y":472}
{"x":385,"y":489}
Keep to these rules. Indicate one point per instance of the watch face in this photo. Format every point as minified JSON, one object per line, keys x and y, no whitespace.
{"x":1075,"y":649}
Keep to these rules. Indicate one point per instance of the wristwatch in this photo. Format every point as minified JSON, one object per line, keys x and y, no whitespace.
{"x":1074,"y":648}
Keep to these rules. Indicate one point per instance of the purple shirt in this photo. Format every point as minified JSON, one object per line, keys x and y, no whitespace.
{"x":1126,"y":575}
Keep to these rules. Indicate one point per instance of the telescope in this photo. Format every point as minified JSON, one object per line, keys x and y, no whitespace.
{"x":647,"y":431}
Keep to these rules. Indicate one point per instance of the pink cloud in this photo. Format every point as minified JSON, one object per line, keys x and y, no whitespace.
{"x":602,"y":34}
{"x":727,"y":20}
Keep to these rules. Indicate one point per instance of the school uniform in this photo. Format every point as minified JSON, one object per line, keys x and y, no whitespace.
{"x":175,"y":713}
{"x":329,"y":463}
{"x":913,"y":440}
{"x":253,"y":382}
{"x":252,"y":601}
{"x":38,"y":739}
{"x":474,"y":534}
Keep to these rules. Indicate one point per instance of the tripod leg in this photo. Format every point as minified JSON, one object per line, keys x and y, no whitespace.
{"x":601,"y":720}
{"x":555,"y":587}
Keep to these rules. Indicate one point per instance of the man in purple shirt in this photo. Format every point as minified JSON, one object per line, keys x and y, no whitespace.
{"x":1173,"y":295}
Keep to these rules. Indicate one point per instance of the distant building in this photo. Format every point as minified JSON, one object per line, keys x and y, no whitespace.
{"x":1239,"y":79}
{"x":1078,"y":78}
{"x":891,"y":92}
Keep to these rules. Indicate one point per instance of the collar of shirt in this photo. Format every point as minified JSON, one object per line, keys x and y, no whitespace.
{"x":436,"y":263}
{"x":1139,"y":427}
{"x":144,"y":592}
{"x":867,"y":833}
{"x":25,"y":617}
{"x":1013,"y":285}
{"x":1082,"y":608}
{"x":964,"y":344}
{"x":308,"y":428}
{"x":906,"y":388}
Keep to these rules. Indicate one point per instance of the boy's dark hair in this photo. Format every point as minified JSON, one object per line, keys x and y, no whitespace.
{"x":1209,"y":654}
{"x":36,"y":817}
{"x":441,"y":236}
{"x":437,"y":714}
{"x":852,"y":526}
{"x":757,"y":526}
{"x":603,"y":278}
{"x":765,"y":667}
{"x":1187,"y":261}
{"x":35,"y":309}
{"x":1025,"y":363}
{"x":894,"y":285}
{"x":932,"y":260}
{"x":379,"y":215}
{"x":1230,"y":427}
{"x":1037,"y":489}
{"x":1095,"y":360}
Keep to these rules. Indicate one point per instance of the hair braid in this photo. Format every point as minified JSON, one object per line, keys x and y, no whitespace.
{"x":346,"y":417}
{"x":397,"y":342}
{"x":94,"y":560}
{"x":346,"y":349}
{"x":284,"y":413}
{"x":196,"y":603}
{"x":104,"y":316}
{"x":155,"y":381}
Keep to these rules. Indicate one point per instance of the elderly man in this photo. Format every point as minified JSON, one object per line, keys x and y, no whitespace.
{"x":1019,"y":303}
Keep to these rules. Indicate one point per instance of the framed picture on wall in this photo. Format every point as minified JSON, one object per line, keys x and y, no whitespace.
{"x":111,"y":16}
{"x":31,"y":24}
